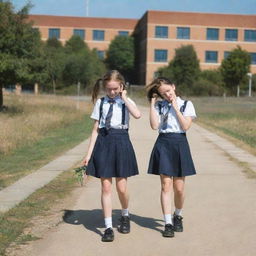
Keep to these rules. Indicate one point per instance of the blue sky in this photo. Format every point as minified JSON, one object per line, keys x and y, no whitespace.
{"x":135,"y":8}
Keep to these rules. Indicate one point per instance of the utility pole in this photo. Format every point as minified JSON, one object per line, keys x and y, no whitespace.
{"x":87,"y":7}
{"x":250,"y":84}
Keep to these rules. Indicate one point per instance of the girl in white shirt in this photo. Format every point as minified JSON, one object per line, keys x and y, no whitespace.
{"x":170,"y":157}
{"x":110,"y":152}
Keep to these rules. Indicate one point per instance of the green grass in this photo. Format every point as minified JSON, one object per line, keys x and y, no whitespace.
{"x":234,"y":117}
{"x":31,"y":157}
{"x":39,"y":203}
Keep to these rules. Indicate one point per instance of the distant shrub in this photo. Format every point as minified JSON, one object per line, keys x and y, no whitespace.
{"x":204,"y":87}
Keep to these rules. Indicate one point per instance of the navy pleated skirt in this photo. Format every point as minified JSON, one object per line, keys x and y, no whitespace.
{"x":171,"y":156}
{"x":113,"y":155}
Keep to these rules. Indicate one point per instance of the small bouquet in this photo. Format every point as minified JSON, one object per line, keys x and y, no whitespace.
{"x":80,"y":172}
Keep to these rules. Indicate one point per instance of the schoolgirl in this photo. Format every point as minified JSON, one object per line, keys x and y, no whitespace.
{"x":110,"y":153}
{"x":170,"y":157}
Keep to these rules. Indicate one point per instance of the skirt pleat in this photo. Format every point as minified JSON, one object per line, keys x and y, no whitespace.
{"x":113,"y":155}
{"x":171,"y":156}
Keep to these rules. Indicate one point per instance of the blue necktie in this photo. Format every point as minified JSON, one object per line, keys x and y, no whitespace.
{"x":109,"y":114}
{"x":165,"y":118}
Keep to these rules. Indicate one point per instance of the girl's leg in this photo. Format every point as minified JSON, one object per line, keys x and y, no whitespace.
{"x":178,"y":186}
{"x":106,"y":194}
{"x":165,"y":197}
{"x":179,"y":194}
{"x":121,"y":187}
{"x":106,"y":202}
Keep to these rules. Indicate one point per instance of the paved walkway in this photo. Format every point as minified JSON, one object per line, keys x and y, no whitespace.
{"x":219,"y":213}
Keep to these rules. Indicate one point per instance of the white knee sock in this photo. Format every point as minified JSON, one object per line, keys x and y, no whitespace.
{"x":125,"y":212}
{"x":168,"y":219}
{"x":108,"y":222}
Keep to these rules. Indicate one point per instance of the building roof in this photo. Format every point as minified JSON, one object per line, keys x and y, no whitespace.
{"x":81,"y":22}
{"x":202,"y":19}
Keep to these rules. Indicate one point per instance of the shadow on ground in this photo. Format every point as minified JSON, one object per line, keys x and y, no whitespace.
{"x":93,"y":220}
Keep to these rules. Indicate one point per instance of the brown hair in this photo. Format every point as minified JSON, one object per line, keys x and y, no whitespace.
{"x":153,"y":87}
{"x":110,"y":75}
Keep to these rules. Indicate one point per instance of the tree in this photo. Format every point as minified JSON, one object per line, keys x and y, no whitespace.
{"x":55,"y":60}
{"x":234,"y":68}
{"x":19,"y":43}
{"x":75,"y":45}
{"x":185,"y":66}
{"x":121,"y":56}
{"x":184,"y":69}
{"x":81,"y":64}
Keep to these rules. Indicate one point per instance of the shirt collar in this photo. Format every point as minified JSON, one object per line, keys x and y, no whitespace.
{"x":117,"y":99}
{"x":179,"y":100}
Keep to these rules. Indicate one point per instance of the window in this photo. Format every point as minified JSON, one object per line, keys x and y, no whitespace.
{"x":123,"y":33}
{"x":231,"y":34}
{"x":160,"y":55}
{"x":253,"y":57}
{"x":211,"y":56}
{"x":101,"y":54}
{"x":54,"y":32}
{"x":98,"y":35}
{"x":212,"y":34}
{"x":226,"y":54}
{"x":250,"y":35}
{"x":183,"y":33}
{"x":161,"y":32}
{"x":79,"y":32}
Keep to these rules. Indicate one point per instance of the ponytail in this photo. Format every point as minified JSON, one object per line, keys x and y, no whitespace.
{"x":96,"y":89}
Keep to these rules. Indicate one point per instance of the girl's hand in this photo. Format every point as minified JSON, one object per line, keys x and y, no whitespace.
{"x":123,"y":94}
{"x":86,"y":160}
{"x":174,"y":103}
{"x":154,"y":98}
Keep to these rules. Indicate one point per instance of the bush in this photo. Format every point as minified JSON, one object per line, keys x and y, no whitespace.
{"x":204,"y":87}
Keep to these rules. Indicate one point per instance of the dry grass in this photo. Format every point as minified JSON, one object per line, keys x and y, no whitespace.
{"x":29,"y":117}
{"x":234,"y":117}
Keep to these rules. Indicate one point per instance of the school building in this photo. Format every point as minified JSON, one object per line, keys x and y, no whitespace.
{"x":158,"y":34}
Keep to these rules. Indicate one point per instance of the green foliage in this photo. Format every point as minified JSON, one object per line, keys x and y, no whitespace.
{"x":184,"y":68}
{"x":19,"y":44}
{"x":235,"y":67}
{"x":75,"y":45}
{"x":205,"y":87}
{"x":121,"y":56}
{"x":54,"y":61}
{"x":81,"y":64}
{"x":212,"y":75}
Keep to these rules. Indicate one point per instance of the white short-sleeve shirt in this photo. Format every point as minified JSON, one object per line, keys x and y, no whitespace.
{"x":173,"y":124}
{"x":116,"y":120}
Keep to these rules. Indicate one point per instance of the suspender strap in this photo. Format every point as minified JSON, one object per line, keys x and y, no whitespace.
{"x":160,"y":107}
{"x":101,"y":107}
{"x":123,"y":114}
{"x":183,"y":107}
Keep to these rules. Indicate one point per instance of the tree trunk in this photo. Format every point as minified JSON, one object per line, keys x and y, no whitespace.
{"x":1,"y":97}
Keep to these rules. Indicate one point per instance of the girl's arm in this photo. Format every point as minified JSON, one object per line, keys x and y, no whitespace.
{"x":153,"y":115}
{"x":92,"y":142}
{"x":132,"y":108}
{"x":185,"y":121}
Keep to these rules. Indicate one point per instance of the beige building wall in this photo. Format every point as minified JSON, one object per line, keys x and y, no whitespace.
{"x":146,"y":42}
{"x":198,"y":40}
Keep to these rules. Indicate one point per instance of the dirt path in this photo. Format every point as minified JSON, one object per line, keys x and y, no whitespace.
{"x":219,"y":213}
